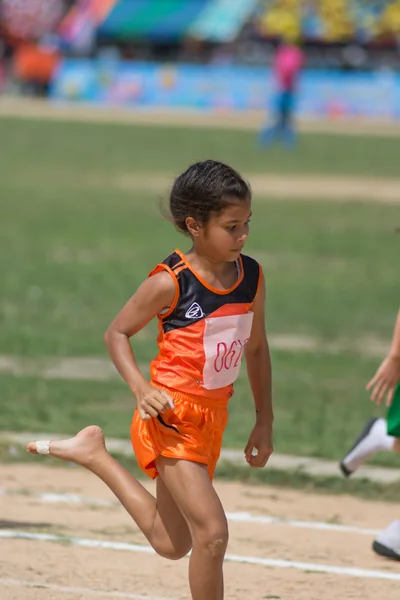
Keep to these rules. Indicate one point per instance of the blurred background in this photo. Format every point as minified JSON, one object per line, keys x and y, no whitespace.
{"x":104,"y":102}
{"x":170,"y":52}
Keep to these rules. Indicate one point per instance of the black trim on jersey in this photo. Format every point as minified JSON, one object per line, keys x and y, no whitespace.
{"x":197,"y":301}
{"x":172,"y":260}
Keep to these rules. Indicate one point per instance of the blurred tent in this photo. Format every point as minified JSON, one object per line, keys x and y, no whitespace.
{"x":153,"y":20}
{"x":172,"y":20}
{"x":222,"y":20}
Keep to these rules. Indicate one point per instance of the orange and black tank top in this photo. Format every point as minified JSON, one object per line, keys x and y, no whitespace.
{"x":202,"y":335}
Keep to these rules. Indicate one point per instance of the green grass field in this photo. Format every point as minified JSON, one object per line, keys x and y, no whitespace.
{"x":74,"y":246}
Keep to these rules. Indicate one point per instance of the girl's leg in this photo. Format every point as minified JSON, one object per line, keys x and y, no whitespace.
{"x":192,"y":490}
{"x":160,"y":519}
{"x":286,"y":120}
{"x":374,"y":438}
{"x":271,"y":129}
{"x":268,"y":134}
{"x":287,"y":129}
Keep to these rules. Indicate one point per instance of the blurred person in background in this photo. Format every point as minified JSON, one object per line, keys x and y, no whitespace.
{"x":2,"y":65}
{"x":29,"y":28}
{"x":288,"y":63}
{"x":35,"y":63}
{"x":382,"y":435}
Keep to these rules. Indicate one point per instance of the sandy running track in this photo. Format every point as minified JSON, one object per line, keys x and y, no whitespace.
{"x":32,"y":569}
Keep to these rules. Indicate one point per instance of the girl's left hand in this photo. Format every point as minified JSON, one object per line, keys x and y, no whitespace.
{"x":385,"y":380}
{"x":261,"y":440}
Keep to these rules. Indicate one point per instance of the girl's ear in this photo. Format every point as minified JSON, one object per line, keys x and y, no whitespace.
{"x":193,"y":226}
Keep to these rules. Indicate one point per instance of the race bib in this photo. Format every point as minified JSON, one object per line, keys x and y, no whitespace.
{"x":224,"y":340}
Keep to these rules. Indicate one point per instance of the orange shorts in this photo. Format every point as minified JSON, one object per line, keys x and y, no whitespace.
{"x":193,"y":431}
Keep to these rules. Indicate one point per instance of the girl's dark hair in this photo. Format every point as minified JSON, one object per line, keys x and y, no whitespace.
{"x":204,"y":189}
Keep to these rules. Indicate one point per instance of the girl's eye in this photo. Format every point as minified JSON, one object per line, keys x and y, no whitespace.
{"x":233,"y":227}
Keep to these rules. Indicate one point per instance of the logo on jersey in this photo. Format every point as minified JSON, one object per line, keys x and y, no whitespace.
{"x":194,"y":311}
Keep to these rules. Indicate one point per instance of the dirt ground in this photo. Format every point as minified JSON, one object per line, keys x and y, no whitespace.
{"x":34,"y":569}
{"x":292,"y":187}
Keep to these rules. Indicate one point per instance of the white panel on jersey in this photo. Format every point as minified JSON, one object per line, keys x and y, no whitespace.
{"x":224,"y":340}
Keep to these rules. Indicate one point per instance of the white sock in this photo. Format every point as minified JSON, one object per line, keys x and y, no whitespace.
{"x":376,"y":440}
{"x":385,"y":442}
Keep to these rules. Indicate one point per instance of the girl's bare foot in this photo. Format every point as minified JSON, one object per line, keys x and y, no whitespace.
{"x":81,"y":449}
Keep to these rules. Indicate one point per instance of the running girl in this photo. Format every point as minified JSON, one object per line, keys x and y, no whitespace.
{"x":209,"y":303}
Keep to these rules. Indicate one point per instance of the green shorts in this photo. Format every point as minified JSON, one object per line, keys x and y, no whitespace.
{"x":393,"y":415}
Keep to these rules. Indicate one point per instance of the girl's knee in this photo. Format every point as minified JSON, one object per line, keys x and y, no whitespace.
{"x":171,"y":546}
{"x":172,"y":551}
{"x":213,"y":536}
{"x":217,"y":547}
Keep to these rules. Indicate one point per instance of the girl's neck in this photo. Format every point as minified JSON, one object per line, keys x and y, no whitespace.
{"x":206,"y":263}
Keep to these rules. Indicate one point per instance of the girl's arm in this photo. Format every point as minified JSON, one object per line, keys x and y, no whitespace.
{"x":395,"y":347}
{"x":259,"y":372}
{"x":154,"y":295}
{"x":258,"y":361}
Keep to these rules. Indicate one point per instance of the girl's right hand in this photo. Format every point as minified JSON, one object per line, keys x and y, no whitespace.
{"x":151,"y":402}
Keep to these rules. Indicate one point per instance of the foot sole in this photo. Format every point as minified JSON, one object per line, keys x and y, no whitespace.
{"x":382,"y":550}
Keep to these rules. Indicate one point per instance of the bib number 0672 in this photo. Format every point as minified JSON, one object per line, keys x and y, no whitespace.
{"x":228,"y":358}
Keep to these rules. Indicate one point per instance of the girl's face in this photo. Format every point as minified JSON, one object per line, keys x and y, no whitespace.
{"x":225,"y":234}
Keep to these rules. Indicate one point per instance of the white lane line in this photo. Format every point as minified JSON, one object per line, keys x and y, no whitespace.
{"x":236,"y":517}
{"x":267,"y":562}
{"x":302,"y":566}
{"x":87,"y":543}
{"x":250,"y":518}
{"x":51,"y":498}
{"x":76,"y":590}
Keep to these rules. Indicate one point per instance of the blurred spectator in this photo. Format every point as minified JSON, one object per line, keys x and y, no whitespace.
{"x":330,"y":20}
{"x":24,"y":20}
{"x":35,"y":63}
{"x":2,"y":66}
{"x":27,"y":27}
{"x":289,"y":60}
{"x":311,"y":22}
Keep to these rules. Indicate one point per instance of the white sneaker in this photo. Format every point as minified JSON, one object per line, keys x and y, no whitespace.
{"x":371,"y":440}
{"x":387,"y":543}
